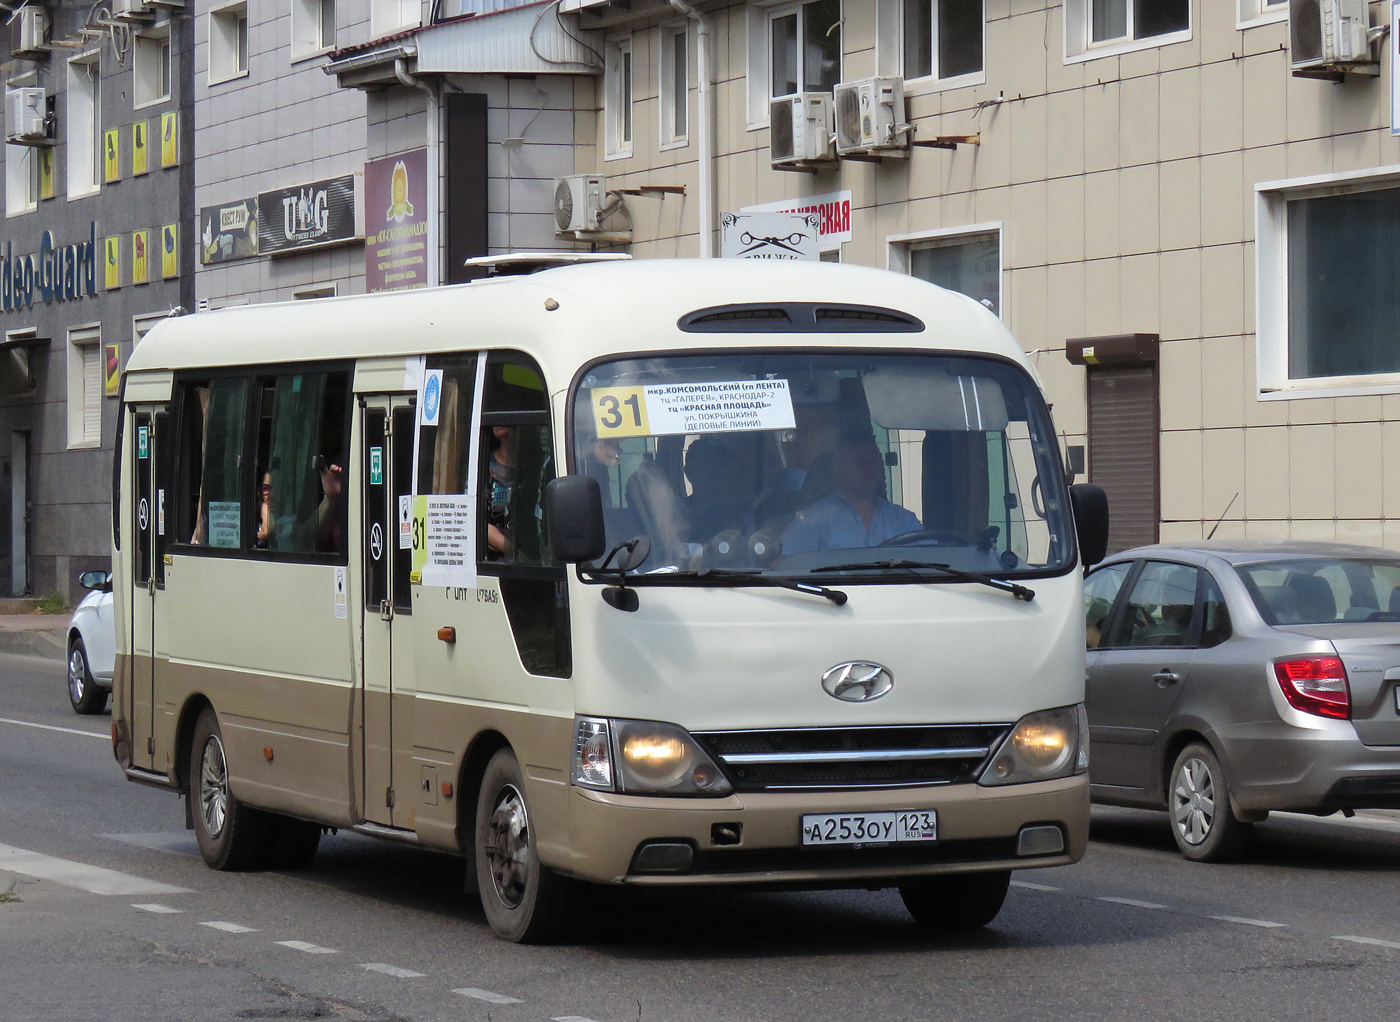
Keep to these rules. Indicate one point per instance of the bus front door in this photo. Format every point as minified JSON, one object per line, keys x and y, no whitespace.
{"x":147,"y":579}
{"x":387,"y":687}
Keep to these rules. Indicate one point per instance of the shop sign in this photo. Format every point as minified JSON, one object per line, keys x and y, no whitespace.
{"x":53,"y":273}
{"x":228,"y":232}
{"x":769,"y":236}
{"x":833,"y":211}
{"x":396,"y":222}
{"x":319,"y":213}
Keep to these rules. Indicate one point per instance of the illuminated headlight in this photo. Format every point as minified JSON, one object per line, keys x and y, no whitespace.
{"x":1042,"y":746}
{"x":642,"y":757}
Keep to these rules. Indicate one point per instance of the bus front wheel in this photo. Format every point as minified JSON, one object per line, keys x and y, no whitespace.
{"x":231,"y":836}
{"x":959,"y":901}
{"x":523,"y":899}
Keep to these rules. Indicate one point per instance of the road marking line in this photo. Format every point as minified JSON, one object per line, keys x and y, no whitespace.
{"x":93,"y":879}
{"x":392,"y":970}
{"x":181,"y":842}
{"x":158,"y":909}
{"x":487,"y":995}
{"x":1248,"y":922}
{"x":1033,"y":887}
{"x":1370,"y":940}
{"x":219,"y":924}
{"x":52,"y":727}
{"x":310,"y":949}
{"x":1133,"y":902}
{"x":571,"y":1018}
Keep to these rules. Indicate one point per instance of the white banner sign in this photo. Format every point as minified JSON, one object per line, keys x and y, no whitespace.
{"x":669,"y":409}
{"x":833,"y":210}
{"x":450,"y":539}
{"x":769,"y":236}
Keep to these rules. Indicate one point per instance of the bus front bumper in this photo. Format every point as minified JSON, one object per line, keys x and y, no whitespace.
{"x":755,"y":837}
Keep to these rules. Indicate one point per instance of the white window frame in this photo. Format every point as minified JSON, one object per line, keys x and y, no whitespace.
{"x":85,"y":384}
{"x":21,"y":180}
{"x":224,"y":58}
{"x":308,"y":35}
{"x":619,"y":99}
{"x":386,"y":16}
{"x":1079,"y":46}
{"x":1253,"y":13}
{"x":82,"y":126}
{"x":147,"y":47}
{"x":899,"y":249}
{"x":666,"y":82}
{"x":889,"y":45}
{"x":758,"y":73}
{"x":1271,"y":200}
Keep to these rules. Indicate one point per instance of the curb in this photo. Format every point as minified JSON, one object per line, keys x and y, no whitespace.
{"x":35,"y":642}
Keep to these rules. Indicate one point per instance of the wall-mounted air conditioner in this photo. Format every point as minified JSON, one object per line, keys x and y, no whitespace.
{"x":870,"y":118}
{"x":30,"y":26}
{"x":578,"y":203}
{"x":132,"y":10}
{"x":26,"y":120}
{"x":799,"y":130}
{"x":174,"y":5}
{"x":1329,"y":37}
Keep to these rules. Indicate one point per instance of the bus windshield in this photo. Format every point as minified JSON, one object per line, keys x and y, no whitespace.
{"x":789,"y":463}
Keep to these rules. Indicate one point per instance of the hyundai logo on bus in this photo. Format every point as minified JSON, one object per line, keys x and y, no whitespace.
{"x":857,"y":681}
{"x":57,"y":273}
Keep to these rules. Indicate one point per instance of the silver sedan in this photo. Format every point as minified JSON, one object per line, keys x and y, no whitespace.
{"x":1231,"y":678}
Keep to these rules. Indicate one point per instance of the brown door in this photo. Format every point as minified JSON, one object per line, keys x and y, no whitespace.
{"x":1123,"y":450}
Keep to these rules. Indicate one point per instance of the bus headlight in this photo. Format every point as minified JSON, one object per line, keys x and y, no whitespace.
{"x":1042,"y":746}
{"x":642,"y":757}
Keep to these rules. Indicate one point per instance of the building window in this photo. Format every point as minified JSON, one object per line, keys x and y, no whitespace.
{"x":313,"y":27}
{"x":617,"y":98}
{"x":21,"y":179}
{"x":675,"y":85}
{"x":1096,"y":27}
{"x":82,"y":126}
{"x":968,"y":261}
{"x":84,"y":387}
{"x":804,"y":48}
{"x":152,"y":66}
{"x":387,"y":16}
{"x":942,"y":38}
{"x":228,"y":43}
{"x":1262,"y":11}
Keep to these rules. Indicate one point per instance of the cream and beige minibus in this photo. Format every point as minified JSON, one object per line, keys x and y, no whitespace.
{"x":662,"y":573}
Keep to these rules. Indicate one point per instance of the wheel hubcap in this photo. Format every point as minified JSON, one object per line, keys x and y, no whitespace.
{"x":1193,"y":801}
{"x":77,"y":675}
{"x":213,"y":787}
{"x":508,"y":846}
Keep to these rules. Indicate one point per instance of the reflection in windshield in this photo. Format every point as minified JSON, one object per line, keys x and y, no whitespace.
{"x":783,"y":463}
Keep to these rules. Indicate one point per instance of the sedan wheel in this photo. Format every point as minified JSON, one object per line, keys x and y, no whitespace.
{"x":85,"y":695}
{"x":1203,"y":823}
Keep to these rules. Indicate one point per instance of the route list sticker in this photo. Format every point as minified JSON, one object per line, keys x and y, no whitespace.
{"x":672,"y":408}
{"x":449,"y":541}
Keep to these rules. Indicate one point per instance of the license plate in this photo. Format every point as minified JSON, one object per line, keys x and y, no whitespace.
{"x":870,"y":828}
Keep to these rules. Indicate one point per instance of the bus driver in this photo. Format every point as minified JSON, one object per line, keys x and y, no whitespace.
{"x":855,"y":514}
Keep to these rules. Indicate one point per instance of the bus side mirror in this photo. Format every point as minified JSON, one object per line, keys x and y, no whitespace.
{"x":1090,"y":521}
{"x":573,"y":507}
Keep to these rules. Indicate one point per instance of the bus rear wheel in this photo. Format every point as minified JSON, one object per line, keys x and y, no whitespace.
{"x":523,"y":899}
{"x":960,"y":901}
{"x":231,"y":836}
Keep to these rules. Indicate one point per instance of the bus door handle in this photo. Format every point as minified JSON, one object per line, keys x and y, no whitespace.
{"x":386,"y":610}
{"x":1165,"y":677}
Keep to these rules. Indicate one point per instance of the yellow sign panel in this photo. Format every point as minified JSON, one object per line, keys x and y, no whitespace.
{"x":46,"y":173}
{"x":112,"y":265}
{"x":112,"y":369}
{"x":169,"y":142}
{"x":138,"y":148}
{"x":620,"y":411}
{"x":112,"y":155}
{"x":138,"y":257}
{"x":170,"y":250}
{"x":420,"y":537}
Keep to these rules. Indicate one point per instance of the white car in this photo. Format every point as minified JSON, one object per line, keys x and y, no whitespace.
{"x":92,"y":645}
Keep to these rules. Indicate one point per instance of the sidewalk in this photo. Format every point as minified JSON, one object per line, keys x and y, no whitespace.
{"x":34,"y":635}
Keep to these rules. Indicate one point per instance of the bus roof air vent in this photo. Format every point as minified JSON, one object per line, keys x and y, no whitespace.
{"x":799,"y":318}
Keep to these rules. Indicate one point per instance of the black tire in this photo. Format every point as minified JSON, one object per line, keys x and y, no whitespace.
{"x":525,"y":902}
{"x":292,"y":843}
{"x":231,"y":836}
{"x":1198,"y":801}
{"x":960,"y":901}
{"x":86,"y":695}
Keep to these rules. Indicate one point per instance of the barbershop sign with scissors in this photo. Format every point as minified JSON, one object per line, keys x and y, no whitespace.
{"x":769,"y":236}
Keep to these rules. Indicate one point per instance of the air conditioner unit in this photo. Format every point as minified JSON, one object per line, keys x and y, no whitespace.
{"x":870,"y":117}
{"x":1327,"y":37}
{"x":799,"y":130}
{"x":174,"y":5}
{"x":132,"y":10}
{"x":578,"y":203}
{"x":26,"y":122}
{"x":31,"y":25}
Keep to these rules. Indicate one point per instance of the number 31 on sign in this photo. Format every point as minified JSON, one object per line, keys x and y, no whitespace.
{"x":620,"y":411}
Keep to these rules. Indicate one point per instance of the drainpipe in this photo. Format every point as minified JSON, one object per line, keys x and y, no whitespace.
{"x":434,"y":170}
{"x":705,"y":142}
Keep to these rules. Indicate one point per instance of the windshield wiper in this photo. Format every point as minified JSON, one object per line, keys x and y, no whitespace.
{"x":915,"y":568}
{"x":836,"y":596}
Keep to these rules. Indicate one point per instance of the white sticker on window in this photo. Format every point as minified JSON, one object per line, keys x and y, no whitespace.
{"x":224,"y":516}
{"x":430,"y":400}
{"x":160,"y":512}
{"x":673,"y":408}
{"x":339,"y":596}
{"x":450,"y":537}
{"x":405,"y":522}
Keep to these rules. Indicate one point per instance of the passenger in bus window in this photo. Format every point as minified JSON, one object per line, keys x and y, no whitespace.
{"x":501,"y":484}
{"x":328,"y":534}
{"x":264,"y":513}
{"x":855,"y":515}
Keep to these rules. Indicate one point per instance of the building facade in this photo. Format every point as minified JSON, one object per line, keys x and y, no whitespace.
{"x":94,"y":251}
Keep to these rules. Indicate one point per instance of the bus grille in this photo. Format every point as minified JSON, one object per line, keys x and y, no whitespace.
{"x":852,"y":757}
{"x":895,"y":857}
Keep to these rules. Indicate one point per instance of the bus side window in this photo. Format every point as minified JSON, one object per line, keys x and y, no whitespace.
{"x":443,"y":449}
{"x":209,"y":500}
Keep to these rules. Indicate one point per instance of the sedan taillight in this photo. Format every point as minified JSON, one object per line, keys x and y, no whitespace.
{"x":1315,"y":684}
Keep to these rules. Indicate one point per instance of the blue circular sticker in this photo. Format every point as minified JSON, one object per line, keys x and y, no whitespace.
{"x":431,"y":394}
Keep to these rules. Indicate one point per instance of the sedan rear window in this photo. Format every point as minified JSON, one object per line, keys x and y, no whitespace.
{"x":1319,"y":591}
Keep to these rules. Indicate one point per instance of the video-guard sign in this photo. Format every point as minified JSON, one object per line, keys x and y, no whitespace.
{"x":56,"y":273}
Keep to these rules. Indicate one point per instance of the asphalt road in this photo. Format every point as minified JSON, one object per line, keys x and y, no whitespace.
{"x":1308,"y":927}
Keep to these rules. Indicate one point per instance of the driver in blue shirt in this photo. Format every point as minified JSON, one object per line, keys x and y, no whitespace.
{"x":856,"y":514}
